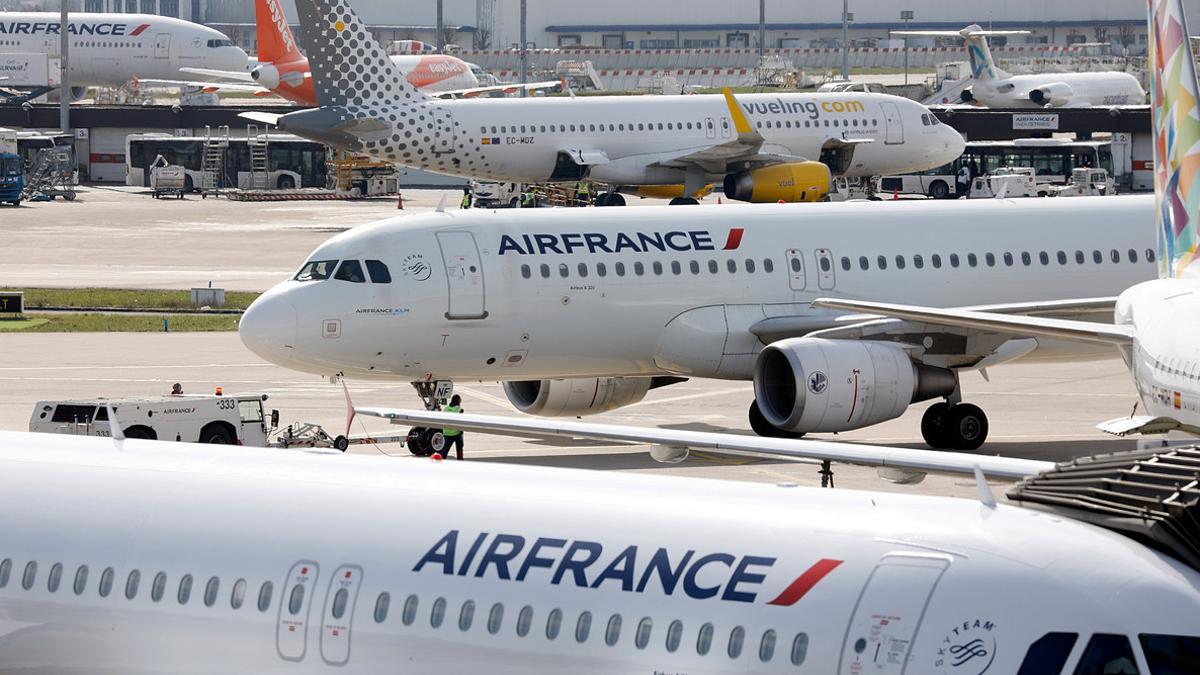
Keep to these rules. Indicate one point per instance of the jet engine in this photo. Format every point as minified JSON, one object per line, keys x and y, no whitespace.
{"x":967,"y":95}
{"x":1054,"y":94}
{"x":581,"y":396}
{"x":78,"y":93}
{"x":807,"y":385}
{"x":794,"y":182}
{"x":266,"y":76}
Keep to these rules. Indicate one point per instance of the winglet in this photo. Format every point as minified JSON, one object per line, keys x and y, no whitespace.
{"x":740,"y":123}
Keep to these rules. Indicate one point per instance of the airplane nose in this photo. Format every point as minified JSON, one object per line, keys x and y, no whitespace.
{"x":268,"y":328}
{"x":954,"y":144}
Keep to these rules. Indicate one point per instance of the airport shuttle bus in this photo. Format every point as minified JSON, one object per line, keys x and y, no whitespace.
{"x":292,"y":162}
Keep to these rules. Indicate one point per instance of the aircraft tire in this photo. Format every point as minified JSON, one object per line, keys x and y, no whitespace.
{"x":968,"y":426}
{"x":934,"y":426}
{"x":683,"y":201}
{"x":418,"y":442}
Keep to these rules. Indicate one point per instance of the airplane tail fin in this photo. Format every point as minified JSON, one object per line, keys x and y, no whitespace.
{"x":275,"y":40}
{"x":1176,"y":108}
{"x":982,"y":65}
{"x":349,"y":67}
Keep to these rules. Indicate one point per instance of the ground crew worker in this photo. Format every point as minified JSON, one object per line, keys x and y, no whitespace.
{"x":466,"y":200}
{"x":963,"y":180}
{"x":528,"y":200}
{"x":583,"y":193}
{"x":454,"y":437}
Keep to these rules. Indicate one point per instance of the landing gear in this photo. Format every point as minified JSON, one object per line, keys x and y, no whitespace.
{"x":961,"y":427}
{"x":683,"y":201}
{"x":610,"y":199}
{"x":763,"y":428}
{"x":420,"y":441}
{"x":423,"y":441}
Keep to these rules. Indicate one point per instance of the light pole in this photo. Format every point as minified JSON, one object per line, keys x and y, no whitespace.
{"x":906,"y":15}
{"x":64,"y":79}
{"x":524,"y":53}
{"x":762,"y":30}
{"x":847,"y":17}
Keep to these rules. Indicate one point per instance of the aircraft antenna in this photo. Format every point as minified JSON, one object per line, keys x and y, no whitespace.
{"x":114,"y":427}
{"x":985,"y":491}
{"x":441,"y":207}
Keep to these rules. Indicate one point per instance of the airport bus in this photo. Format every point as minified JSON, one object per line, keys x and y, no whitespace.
{"x":292,"y":162}
{"x":27,"y":142}
{"x":1052,"y":160}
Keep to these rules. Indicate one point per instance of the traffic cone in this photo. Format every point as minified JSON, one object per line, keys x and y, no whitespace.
{"x":437,"y":457}
{"x":895,"y":195}
{"x":399,"y":201}
{"x":718,"y":200}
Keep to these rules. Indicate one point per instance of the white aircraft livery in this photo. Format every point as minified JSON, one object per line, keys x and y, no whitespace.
{"x":995,"y":88}
{"x":584,"y":310}
{"x":108,"y":50}
{"x":765,"y":147}
{"x":1157,"y":321}
{"x":143,"y":557}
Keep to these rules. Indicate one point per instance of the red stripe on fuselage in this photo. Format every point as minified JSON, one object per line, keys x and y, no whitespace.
{"x":138,"y":31}
{"x":734,"y":240}
{"x":804,"y":583}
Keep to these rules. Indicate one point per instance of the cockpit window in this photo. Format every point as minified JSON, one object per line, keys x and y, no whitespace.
{"x":220,"y":43}
{"x":1171,"y":654}
{"x":379,"y":272}
{"x":351,"y":270}
{"x":1049,"y":654}
{"x":1107,"y":654}
{"x":316,"y":270}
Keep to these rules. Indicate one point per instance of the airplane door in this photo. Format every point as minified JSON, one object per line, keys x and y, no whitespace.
{"x":291,"y":631}
{"x":825,"y":272}
{"x":889,"y":611}
{"x":710,"y":127}
{"x":162,"y":46}
{"x":444,"y":124}
{"x":894,"y":127}
{"x":795,"y":263}
{"x":338,"y":615}
{"x":464,"y":276}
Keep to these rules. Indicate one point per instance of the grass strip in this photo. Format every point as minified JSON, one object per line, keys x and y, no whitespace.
{"x":86,"y":322}
{"x":131,"y":298}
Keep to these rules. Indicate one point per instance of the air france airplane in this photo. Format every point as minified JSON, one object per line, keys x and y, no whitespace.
{"x":1156,"y":322}
{"x":995,"y":88}
{"x":583,"y":311}
{"x":146,"y":557}
{"x":765,"y":147}
{"x":108,"y":50}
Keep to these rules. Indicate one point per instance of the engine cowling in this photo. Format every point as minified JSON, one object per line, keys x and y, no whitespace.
{"x":814,"y":385}
{"x":266,"y":75}
{"x":1054,"y":94}
{"x":794,"y":182}
{"x":580,"y":396}
{"x":967,"y":95}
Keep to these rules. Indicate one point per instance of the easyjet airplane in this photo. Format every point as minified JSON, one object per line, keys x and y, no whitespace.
{"x":145,"y":557}
{"x":765,"y":147}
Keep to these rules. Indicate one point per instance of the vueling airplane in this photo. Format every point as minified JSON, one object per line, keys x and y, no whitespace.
{"x":108,"y":50}
{"x":143,"y":557}
{"x":765,"y":147}
{"x":1156,"y":322}
{"x":995,"y":88}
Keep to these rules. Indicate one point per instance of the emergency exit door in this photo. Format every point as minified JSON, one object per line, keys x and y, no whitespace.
{"x":889,"y":611}
{"x":464,"y":276}
{"x":825,"y":272}
{"x":796,"y":275}
{"x":338,"y":614}
{"x":893,"y":124}
{"x":291,"y":631}
{"x":710,"y":127}
{"x":162,"y":46}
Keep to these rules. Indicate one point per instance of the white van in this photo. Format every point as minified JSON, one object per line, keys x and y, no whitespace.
{"x":235,"y":419}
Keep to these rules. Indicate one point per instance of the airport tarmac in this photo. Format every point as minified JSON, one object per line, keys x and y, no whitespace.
{"x":1038,"y":411}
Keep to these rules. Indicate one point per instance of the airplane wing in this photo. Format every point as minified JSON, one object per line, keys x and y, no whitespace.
{"x":869,"y":455}
{"x":504,"y":88}
{"x":261,"y":117}
{"x":239,"y":75}
{"x":210,"y":86}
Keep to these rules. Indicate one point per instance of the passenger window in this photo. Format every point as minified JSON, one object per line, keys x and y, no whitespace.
{"x":601,"y":270}
{"x":731,"y":265}
{"x":264,"y":596}
{"x":185,"y":589}
{"x":526,"y":272}
{"x":799,"y":648}
{"x":713,"y":267}
{"x":30,"y":576}
{"x":863,"y":263}
{"x":1114,"y":255}
{"x":1008,"y":259}
{"x":1048,"y":655}
{"x":382,"y":603}
{"x":466,"y":615}
{"x":737,"y":637}
{"x":81,"y":575}
{"x":658,"y":268}
{"x":704,"y":639}
{"x":158,"y":586}
{"x":238,"y":597}
{"x":918,"y":262}
{"x":845,"y":264}
{"x":296,"y":599}
{"x":524,"y":621}
{"x":676,"y":268}
{"x":768,"y":265}
{"x":674,"y":635}
{"x":351,"y":271}
{"x":338,"y":610}
{"x":1062,"y":257}
{"x":1107,"y":654}
{"x":495,"y":618}
{"x":6,"y":571}
{"x":379,"y":272}
{"x":936,"y":261}
{"x":1149,"y":255}
{"x":213,"y":586}
{"x":1043,"y":258}
{"x":583,"y":627}
{"x":972,"y":260}
{"x":750,"y":265}
{"x":1079,"y":258}
{"x":694,"y":266}
{"x":619,"y":268}
{"x":1171,"y":654}
{"x":315,"y":270}
{"x":545,"y":269}
{"x":881,"y":262}
{"x":954,"y":260}
{"x":583,"y":270}
{"x":1025,"y":259}
{"x":106,"y":581}
{"x":642,"y":637}
{"x":438,"y":613}
{"x":563,"y":270}
{"x":639,"y":269}
{"x":553,"y":623}
{"x":1096,"y":257}
{"x":55,"y":577}
{"x":131,"y":584}
{"x":825,"y":265}
{"x":409,"y":614}
{"x":766,"y":648}
{"x":1132,"y":256}
{"x":899,"y":262}
{"x":990,"y":259}
{"x":612,"y":633}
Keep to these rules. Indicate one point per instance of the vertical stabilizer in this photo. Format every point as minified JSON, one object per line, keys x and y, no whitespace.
{"x":1173,"y":101}
{"x":349,"y":67}
{"x":982,"y":65}
{"x":276,"y":44}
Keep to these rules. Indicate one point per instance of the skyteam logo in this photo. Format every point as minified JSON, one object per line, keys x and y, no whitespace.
{"x":622,"y":242}
{"x":80,"y":28}
{"x":588,"y":564}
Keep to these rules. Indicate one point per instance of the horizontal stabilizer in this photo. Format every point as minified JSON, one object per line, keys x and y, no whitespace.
{"x":1143,"y":424}
{"x":238,"y":75}
{"x":261,"y":117}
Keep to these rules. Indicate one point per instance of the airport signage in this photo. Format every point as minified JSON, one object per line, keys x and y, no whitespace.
{"x":1035,"y":121}
{"x":12,"y":303}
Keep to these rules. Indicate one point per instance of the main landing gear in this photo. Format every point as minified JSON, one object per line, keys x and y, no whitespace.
{"x":961,"y":426}
{"x":610,"y":199}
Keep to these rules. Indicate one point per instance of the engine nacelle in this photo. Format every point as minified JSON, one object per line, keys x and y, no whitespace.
{"x":582,"y":396}
{"x":795,"y":182}
{"x":1054,"y":94}
{"x":266,"y":75}
{"x":77,"y":93}
{"x":967,"y":95}
{"x":815,"y":385}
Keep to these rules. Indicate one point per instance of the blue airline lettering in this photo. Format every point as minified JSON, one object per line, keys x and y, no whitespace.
{"x":598,"y":242}
{"x":41,"y":27}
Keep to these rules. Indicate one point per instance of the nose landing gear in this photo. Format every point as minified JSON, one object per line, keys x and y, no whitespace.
{"x":423,"y":441}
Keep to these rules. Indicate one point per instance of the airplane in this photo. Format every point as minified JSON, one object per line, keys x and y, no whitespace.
{"x":994,"y":88}
{"x":1155,"y":322}
{"x":281,"y":68}
{"x":765,"y":147}
{"x":109,"y":50}
{"x":585,"y":311}
{"x":198,"y":558}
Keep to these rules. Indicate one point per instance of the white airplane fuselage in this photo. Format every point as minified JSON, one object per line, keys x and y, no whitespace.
{"x":521,"y":295}
{"x":1164,"y":358}
{"x":1082,"y":90}
{"x":111,"y":49}
{"x":153,"y":557}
